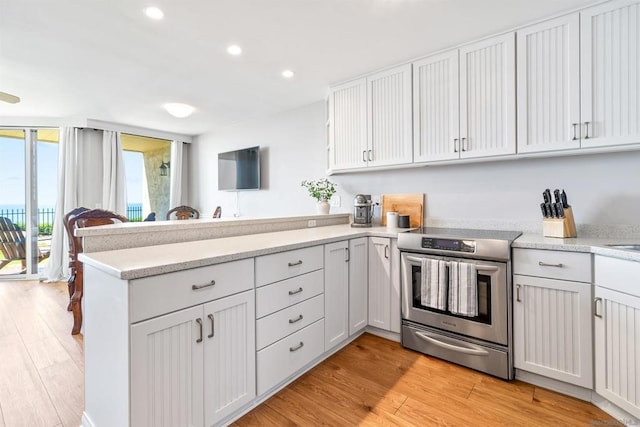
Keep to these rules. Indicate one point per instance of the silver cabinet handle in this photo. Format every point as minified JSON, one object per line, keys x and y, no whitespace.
{"x":297,"y":291}
{"x":293,"y":264}
{"x":595,"y":307}
{"x":199,"y":322}
{"x":518,"y":293}
{"x":455,"y":145}
{"x":297,"y":347}
{"x":206,"y":285}
{"x":370,"y":155}
{"x":297,"y":319}
{"x":586,"y":130}
{"x":386,"y":251}
{"x":348,"y":255}
{"x":210,"y":316}
{"x":544,"y":264}
{"x":464,"y":144}
{"x":364,"y":156}
{"x":575,"y":136}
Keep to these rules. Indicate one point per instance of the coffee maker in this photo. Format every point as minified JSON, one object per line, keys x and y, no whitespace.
{"x":362,"y":211}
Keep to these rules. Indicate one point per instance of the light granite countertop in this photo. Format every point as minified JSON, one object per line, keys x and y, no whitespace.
{"x":146,"y":261}
{"x":580,"y":244}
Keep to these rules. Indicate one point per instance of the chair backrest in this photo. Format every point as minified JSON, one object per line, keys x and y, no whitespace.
{"x":184,"y":212}
{"x":90,"y":218}
{"x":150,"y":217}
{"x":217,"y":213}
{"x":12,"y":241}
{"x":70,"y":235}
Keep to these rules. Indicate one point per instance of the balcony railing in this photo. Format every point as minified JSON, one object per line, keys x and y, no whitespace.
{"x":46,"y":217}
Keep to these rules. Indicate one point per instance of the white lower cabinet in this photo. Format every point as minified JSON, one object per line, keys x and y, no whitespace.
{"x":358,"y":283}
{"x":617,"y":332}
{"x":194,"y":366}
{"x":336,"y":293}
{"x":552,"y":329}
{"x":384,"y":284}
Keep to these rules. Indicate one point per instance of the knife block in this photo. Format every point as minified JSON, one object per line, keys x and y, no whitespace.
{"x":560,"y":227}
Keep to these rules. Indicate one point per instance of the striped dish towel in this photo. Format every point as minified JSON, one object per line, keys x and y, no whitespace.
{"x":463,"y":289}
{"x":433,"y":292}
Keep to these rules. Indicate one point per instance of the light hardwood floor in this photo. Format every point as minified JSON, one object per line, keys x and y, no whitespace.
{"x":371,"y":381}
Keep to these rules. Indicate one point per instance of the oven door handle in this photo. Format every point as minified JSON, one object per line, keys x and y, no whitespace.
{"x":472,"y":349}
{"x":479,"y":267}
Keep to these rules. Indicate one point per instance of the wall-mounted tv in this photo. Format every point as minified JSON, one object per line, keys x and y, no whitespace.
{"x":239,"y":170}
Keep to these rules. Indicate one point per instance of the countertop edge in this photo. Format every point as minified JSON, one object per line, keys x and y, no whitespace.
{"x":596,"y":246}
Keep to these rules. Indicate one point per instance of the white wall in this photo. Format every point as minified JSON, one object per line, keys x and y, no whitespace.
{"x":603,"y":188}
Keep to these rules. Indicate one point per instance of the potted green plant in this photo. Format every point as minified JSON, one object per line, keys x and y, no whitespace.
{"x":322,"y":190}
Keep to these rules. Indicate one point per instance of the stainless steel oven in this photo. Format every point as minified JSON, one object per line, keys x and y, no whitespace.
{"x":482,"y":341}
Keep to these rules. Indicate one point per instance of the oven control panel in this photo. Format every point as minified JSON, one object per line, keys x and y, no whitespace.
{"x":455,"y":245}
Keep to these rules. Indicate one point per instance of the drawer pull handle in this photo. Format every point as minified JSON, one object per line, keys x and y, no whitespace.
{"x":595,"y":307}
{"x":293,"y":264}
{"x":544,"y":264}
{"x":296,"y":348}
{"x":297,"y":291}
{"x":199,"y":322}
{"x":210,"y":316}
{"x":518,"y":293}
{"x":297,"y":319}
{"x":206,"y":285}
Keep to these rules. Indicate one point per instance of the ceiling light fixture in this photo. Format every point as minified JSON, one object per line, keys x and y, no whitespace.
{"x":154,"y":13}
{"x":287,"y":74}
{"x":234,"y":50}
{"x":179,"y":110}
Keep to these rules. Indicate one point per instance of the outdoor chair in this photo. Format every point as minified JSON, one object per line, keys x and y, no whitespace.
{"x":217,"y":213}
{"x":184,"y":212}
{"x":13,"y":246}
{"x":84,"y":218}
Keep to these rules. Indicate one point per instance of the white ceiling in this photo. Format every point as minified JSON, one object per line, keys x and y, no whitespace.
{"x":105,"y":60}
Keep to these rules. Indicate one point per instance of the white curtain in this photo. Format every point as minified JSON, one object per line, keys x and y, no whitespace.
{"x":67,"y":200}
{"x":114,"y":187}
{"x":175,"y":190}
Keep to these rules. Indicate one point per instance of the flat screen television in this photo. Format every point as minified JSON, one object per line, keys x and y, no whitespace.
{"x":239,"y":170}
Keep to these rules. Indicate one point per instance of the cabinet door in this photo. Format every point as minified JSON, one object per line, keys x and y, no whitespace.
{"x":379,"y":283}
{"x":358,"y":281}
{"x":348,"y":125}
{"x":167,"y":370}
{"x":436,"y":106}
{"x":552,"y":329}
{"x":229,"y":355}
{"x":488,"y":97}
{"x":549,"y":85}
{"x":617,"y":335}
{"x":610,"y":52}
{"x":336,"y":294}
{"x":389,"y":117}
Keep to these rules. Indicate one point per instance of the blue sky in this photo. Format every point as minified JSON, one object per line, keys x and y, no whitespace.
{"x":12,"y":167}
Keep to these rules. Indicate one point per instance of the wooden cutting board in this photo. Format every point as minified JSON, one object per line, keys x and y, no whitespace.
{"x":404,"y":204}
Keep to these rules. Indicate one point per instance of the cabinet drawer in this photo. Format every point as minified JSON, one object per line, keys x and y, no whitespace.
{"x":283,"y":265}
{"x":575,"y":266}
{"x":278,"y":325}
{"x":283,"y":294}
{"x":285,"y":357}
{"x":156,"y":295}
{"x":617,"y":274}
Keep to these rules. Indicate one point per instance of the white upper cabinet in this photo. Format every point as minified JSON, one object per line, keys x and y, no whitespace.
{"x":348,"y":125}
{"x":370,"y":121}
{"x":464,"y":102}
{"x":610,"y":58}
{"x":389,"y":114}
{"x":548,"y":63}
{"x":488,"y":97}
{"x":436,"y":106}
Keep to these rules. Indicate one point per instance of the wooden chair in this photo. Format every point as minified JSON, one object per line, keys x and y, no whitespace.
{"x":13,"y":244}
{"x":72,"y":254}
{"x":184,"y":212}
{"x":217,"y":213}
{"x":87,"y":218}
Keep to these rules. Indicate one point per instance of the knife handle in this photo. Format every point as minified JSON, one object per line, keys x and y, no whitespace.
{"x":560,"y":210}
{"x":544,"y":211}
{"x":556,"y":195}
{"x":554,"y":212}
{"x":546,"y":195}
{"x":563,"y":197}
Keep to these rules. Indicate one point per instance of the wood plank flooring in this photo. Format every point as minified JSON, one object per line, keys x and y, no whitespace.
{"x":371,"y":381}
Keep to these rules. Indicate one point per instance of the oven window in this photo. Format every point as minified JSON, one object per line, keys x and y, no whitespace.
{"x":484,"y":297}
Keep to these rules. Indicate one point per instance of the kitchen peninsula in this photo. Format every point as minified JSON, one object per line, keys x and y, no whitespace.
{"x":230,"y":320}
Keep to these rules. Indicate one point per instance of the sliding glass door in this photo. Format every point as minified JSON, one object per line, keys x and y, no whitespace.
{"x":28,"y":176}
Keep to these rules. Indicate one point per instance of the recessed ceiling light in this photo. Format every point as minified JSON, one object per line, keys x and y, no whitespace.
{"x":287,"y":74}
{"x":179,"y":110}
{"x":234,"y":50}
{"x":154,"y":12}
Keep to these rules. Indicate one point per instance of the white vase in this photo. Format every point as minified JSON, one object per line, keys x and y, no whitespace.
{"x":323,"y":207}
